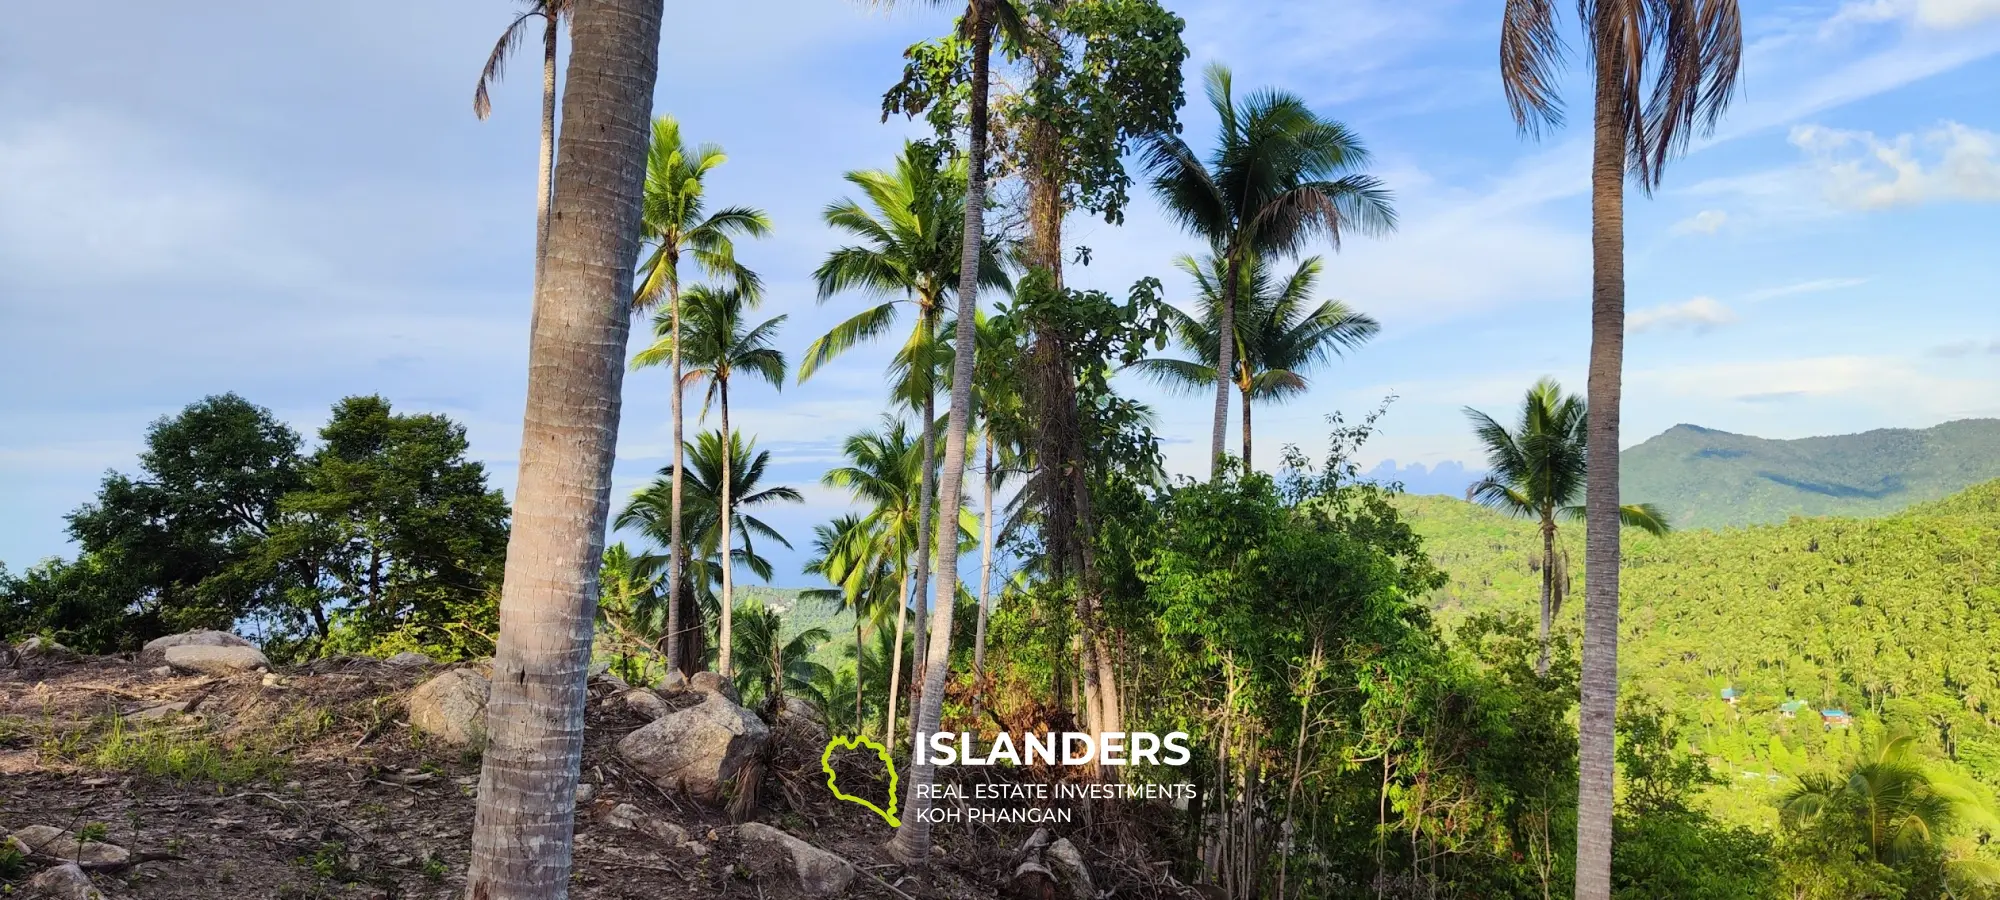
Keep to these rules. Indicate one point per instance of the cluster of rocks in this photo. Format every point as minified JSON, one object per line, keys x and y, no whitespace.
{"x":72,"y":857}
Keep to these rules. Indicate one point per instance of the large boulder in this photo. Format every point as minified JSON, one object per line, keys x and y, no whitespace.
{"x":216,"y":659}
{"x":64,"y":882}
{"x":50,"y":842}
{"x":646,"y":703}
{"x":713,"y":683}
{"x":451,"y":707}
{"x":156,"y":649}
{"x":815,"y":872}
{"x":44,"y":650}
{"x":699,"y":749}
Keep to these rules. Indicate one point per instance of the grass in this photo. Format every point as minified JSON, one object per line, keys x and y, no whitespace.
{"x":181,"y":751}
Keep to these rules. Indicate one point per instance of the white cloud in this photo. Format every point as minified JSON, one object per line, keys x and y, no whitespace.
{"x":1804,"y":287}
{"x":1936,"y":14}
{"x":1893,"y":389}
{"x":1699,"y":315}
{"x":1708,"y":221}
{"x":1859,"y":170}
{"x":1964,"y":348}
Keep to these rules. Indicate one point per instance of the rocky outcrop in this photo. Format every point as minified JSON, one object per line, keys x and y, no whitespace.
{"x":50,"y":842}
{"x":41,"y":649}
{"x":814,"y":872}
{"x":451,"y":707}
{"x":216,"y":659}
{"x":156,"y":649}
{"x":698,"y":749}
{"x":64,"y":882}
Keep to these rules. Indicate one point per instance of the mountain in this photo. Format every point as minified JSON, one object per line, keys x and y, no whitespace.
{"x":1704,"y":478}
{"x":1893,"y":620}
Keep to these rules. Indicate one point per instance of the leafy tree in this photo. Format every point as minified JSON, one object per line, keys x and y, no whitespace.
{"x":1537,"y":470}
{"x":1279,"y":177}
{"x":1280,"y":334}
{"x":631,"y":613}
{"x":392,"y":531}
{"x":776,"y":667}
{"x":849,"y":553}
{"x":720,"y":343}
{"x":1668,"y":847}
{"x":521,"y":832}
{"x":1661,"y":71}
{"x":675,"y":221}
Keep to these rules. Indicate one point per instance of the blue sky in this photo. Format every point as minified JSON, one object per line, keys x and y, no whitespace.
{"x":297,"y":204}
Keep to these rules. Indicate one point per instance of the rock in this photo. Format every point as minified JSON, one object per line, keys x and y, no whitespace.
{"x":816,"y":872}
{"x":1067,"y":864}
{"x":699,"y":749}
{"x":711,"y":683}
{"x":798,"y":717}
{"x":645,"y":703}
{"x":64,"y":882}
{"x":42,"y":648}
{"x":275,"y":680}
{"x":50,"y":842}
{"x":674,"y":683}
{"x":612,"y":681}
{"x":161,"y":672}
{"x":627,"y":817}
{"x":410,"y":660}
{"x":156,"y":649}
{"x":216,"y":659}
{"x":159,"y":711}
{"x":451,"y":707}
{"x":597,"y":668}
{"x":697,"y":848}
{"x":585,"y":791}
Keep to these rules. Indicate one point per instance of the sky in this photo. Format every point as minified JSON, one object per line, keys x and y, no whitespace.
{"x":296,"y":203}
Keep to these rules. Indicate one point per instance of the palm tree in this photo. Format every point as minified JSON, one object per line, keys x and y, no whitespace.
{"x":1279,"y":177}
{"x":552,"y":13}
{"x":1894,"y":806}
{"x":997,"y":394}
{"x":775,"y":666}
{"x":630,"y":609}
{"x":848,"y":554}
{"x":676,"y":221}
{"x":1280,"y":336}
{"x":1661,"y":72}
{"x":650,"y":512}
{"x":521,"y":833}
{"x":720,"y":342}
{"x":884,"y":470}
{"x":1537,"y":471}
{"x":908,"y":254}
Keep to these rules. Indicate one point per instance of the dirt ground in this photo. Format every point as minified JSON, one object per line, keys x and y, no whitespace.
{"x":308,"y":783}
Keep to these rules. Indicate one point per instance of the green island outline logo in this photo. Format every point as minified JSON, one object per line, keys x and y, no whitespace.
{"x":856,"y":742}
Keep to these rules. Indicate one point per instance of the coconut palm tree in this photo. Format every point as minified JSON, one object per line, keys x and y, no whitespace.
{"x":1000,"y":409}
{"x":1660,"y":72}
{"x":849,"y":555}
{"x":776,"y":667}
{"x":719,"y":341}
{"x":521,"y":833}
{"x":676,"y":221}
{"x":630,"y":610}
{"x":1280,"y":334}
{"x":1279,"y":177}
{"x":910,"y":237}
{"x":1537,"y":471}
{"x":1896,"y":807}
{"x":552,"y":13}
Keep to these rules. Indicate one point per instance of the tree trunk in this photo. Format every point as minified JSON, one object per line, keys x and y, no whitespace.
{"x":859,"y":652}
{"x":927,"y":484}
{"x":1246,"y":427}
{"x":545,"y":185}
{"x":521,"y":836}
{"x":724,"y":665}
{"x":985,"y":569}
{"x":1225,"y":365}
{"x":1598,"y":712}
{"x":685,"y":663}
{"x":896,"y":658}
{"x":912,"y":843}
{"x":1548,"y":589}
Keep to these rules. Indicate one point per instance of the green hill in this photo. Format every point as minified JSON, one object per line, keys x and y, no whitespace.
{"x":1704,"y":478}
{"x":1895,"y":620}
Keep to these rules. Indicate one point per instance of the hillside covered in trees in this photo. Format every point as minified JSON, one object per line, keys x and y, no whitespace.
{"x":1703,"y":478}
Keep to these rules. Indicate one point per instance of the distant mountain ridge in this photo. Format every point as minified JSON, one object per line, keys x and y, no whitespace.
{"x":1704,"y":478}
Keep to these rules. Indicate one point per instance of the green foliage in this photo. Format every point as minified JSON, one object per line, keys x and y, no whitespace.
{"x":776,"y":662}
{"x":1665,"y":846}
{"x":1704,"y":478}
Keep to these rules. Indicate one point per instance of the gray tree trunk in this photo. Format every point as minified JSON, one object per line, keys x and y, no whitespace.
{"x":521,"y":836}
{"x":677,"y":659}
{"x":927,"y":489}
{"x":1599,"y":710}
{"x":1225,"y":365}
{"x":985,"y":566}
{"x":895,"y":658}
{"x":912,"y":843}
{"x":724,"y":665}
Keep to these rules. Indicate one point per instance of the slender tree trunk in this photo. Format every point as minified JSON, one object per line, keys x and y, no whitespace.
{"x":985,"y":568}
{"x":1246,"y":429}
{"x":1548,"y":590}
{"x":927,"y":485}
{"x":724,"y":666}
{"x":1607,"y":351}
{"x":859,"y":653}
{"x":912,"y":843}
{"x":685,"y":663}
{"x":545,"y":184}
{"x":521,"y":834}
{"x":1225,"y":365}
{"x":896,"y":657}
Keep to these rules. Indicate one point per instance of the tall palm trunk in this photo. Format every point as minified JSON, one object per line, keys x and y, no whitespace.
{"x":521,"y":836}
{"x":1225,"y":365}
{"x":1607,"y":351}
{"x":1245,"y":390}
{"x":927,"y":483}
{"x":985,"y":567}
{"x":545,"y":185}
{"x":896,"y":657}
{"x":858,"y":651}
{"x":1548,"y":587}
{"x":677,"y":555}
{"x":912,"y":843}
{"x":723,"y":665}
